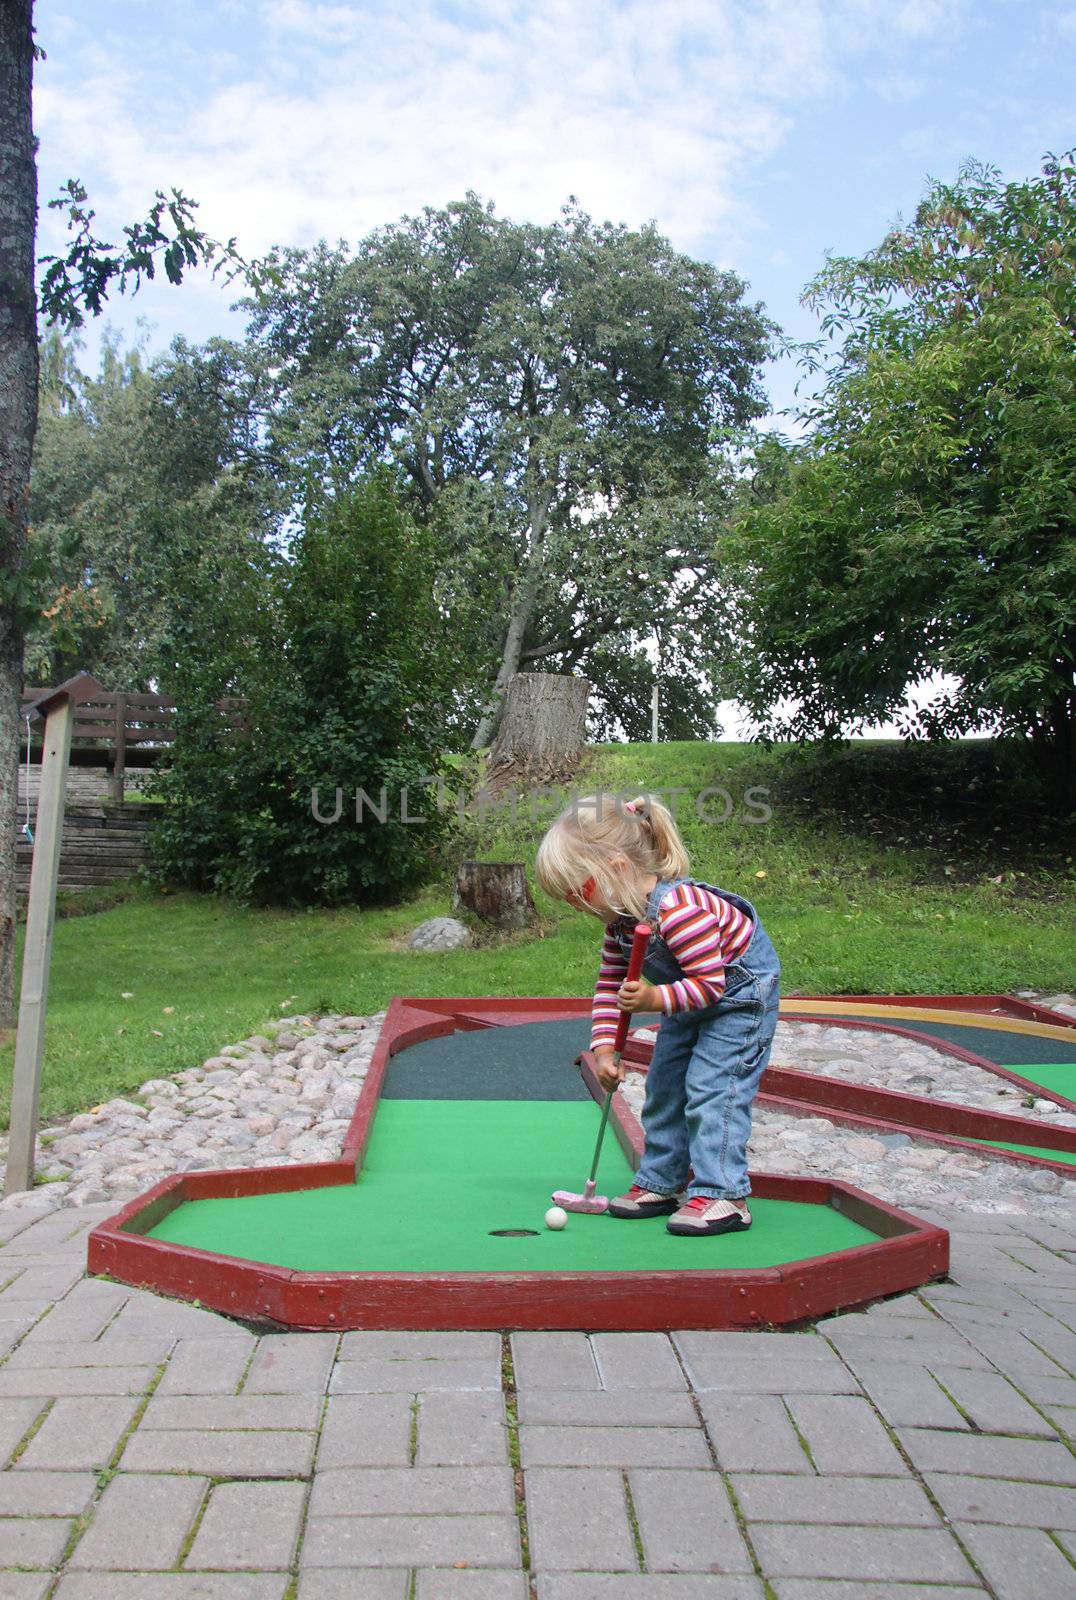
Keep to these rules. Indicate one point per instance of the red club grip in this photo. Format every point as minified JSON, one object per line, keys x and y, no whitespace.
{"x":640,"y":940}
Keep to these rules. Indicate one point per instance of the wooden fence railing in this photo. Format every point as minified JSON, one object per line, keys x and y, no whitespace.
{"x":119,"y":730}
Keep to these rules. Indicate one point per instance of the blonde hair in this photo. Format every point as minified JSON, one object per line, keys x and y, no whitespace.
{"x":596,"y":826}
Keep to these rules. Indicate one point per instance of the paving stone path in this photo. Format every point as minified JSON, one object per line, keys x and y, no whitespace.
{"x":151,"y":1450}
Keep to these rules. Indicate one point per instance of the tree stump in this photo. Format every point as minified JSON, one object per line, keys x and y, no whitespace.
{"x":496,"y":891}
{"x":542,"y":731}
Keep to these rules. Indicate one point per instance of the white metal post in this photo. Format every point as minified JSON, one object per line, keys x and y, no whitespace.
{"x":654,"y":713}
{"x":37,"y":949}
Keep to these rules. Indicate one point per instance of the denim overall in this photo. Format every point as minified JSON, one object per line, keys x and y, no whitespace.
{"x":707,"y":1063}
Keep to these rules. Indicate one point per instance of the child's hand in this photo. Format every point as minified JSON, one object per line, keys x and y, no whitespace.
{"x":610,"y":1070}
{"x":638,"y":995}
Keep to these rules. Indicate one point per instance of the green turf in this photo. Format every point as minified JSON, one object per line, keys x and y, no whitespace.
{"x":440,"y":1174}
{"x":1033,"y":1150}
{"x":1058,"y":1076}
{"x":1022,"y":1052}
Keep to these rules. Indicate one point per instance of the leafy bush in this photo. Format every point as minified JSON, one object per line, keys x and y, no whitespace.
{"x":348,"y":677}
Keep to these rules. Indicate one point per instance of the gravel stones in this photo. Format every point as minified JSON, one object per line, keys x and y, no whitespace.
{"x":259,"y":1102}
{"x":899,"y":1167}
{"x":272,"y":1101}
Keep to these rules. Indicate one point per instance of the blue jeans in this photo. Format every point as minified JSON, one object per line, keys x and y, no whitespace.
{"x":705,"y":1072}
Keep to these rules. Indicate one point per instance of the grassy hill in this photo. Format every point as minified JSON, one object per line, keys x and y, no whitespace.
{"x":886,"y":868}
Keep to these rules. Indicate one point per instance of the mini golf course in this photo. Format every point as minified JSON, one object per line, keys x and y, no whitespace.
{"x":1025,"y":1046}
{"x":472,"y":1112}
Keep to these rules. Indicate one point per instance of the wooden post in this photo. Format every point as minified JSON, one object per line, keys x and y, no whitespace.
{"x":654,"y":713}
{"x":119,"y":750}
{"x":37,"y":949}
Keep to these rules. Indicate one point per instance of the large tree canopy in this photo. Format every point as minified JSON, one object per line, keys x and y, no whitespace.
{"x":148,"y":485}
{"x":929,"y":522}
{"x":561,"y":399}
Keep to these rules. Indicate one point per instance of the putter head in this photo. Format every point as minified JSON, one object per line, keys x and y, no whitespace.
{"x":588,"y":1202}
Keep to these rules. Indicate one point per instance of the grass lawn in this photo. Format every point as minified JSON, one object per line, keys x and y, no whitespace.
{"x":160,"y":981}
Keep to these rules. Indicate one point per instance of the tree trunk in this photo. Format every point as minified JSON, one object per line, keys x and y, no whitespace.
{"x":526,"y":597}
{"x":542,"y":731}
{"x":496,"y":891}
{"x":18,"y":423}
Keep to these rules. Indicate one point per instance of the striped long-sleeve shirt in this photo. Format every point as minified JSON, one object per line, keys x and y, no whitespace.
{"x":702,"y":930}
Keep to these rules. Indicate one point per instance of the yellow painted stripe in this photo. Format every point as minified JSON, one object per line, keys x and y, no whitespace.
{"x":961,"y":1019}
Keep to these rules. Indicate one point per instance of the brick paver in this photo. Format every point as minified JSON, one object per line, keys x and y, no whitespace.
{"x":753,"y":1433}
{"x":146,"y":1515}
{"x":686,"y":1522}
{"x":249,"y":1525}
{"x":777,"y":1497}
{"x":579,"y":1519}
{"x":162,"y":1452}
{"x":1019,"y":1563}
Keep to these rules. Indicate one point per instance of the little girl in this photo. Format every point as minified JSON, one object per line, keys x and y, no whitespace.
{"x":713,"y":974}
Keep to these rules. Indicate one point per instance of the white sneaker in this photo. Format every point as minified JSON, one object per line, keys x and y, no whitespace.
{"x":705,"y":1214}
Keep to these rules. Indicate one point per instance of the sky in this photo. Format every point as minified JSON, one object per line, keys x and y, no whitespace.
{"x":759,"y":135}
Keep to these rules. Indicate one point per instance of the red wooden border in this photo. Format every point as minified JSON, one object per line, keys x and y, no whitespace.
{"x":908,"y":1251}
{"x":865,"y":1123}
{"x":882,"y":1025}
{"x":925,"y":1115}
{"x":876,"y":1109}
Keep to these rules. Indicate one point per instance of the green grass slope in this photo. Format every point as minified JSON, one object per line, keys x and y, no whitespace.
{"x":867,"y":881}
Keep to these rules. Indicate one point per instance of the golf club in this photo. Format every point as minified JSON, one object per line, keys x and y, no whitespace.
{"x":588,"y":1201}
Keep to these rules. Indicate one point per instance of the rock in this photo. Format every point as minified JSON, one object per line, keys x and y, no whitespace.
{"x":441,"y":933}
{"x":239,"y":1138}
{"x":206,"y":1107}
{"x":83,"y":1121}
{"x":963,"y":1161}
{"x":1041,"y":1180}
{"x":124,"y":1108}
{"x":919,"y":1083}
{"x":865,"y":1149}
{"x":923,"y":1159}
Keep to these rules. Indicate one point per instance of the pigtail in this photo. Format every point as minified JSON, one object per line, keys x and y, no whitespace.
{"x":659,"y":825}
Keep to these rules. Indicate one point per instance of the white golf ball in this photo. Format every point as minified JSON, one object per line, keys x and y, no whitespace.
{"x":556,"y":1217}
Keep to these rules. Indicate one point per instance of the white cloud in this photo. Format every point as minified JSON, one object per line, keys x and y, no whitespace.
{"x":344,"y":117}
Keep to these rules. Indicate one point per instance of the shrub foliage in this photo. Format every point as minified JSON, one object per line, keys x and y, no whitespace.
{"x":348,"y":677}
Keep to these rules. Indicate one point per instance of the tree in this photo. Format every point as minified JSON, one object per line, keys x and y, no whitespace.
{"x":928,"y":524}
{"x":18,"y":419}
{"x":138,"y":476}
{"x":346,"y":667}
{"x":72,"y":284}
{"x":560,"y":398}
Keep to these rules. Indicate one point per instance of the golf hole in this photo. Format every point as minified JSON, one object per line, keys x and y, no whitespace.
{"x":513,"y":1233}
